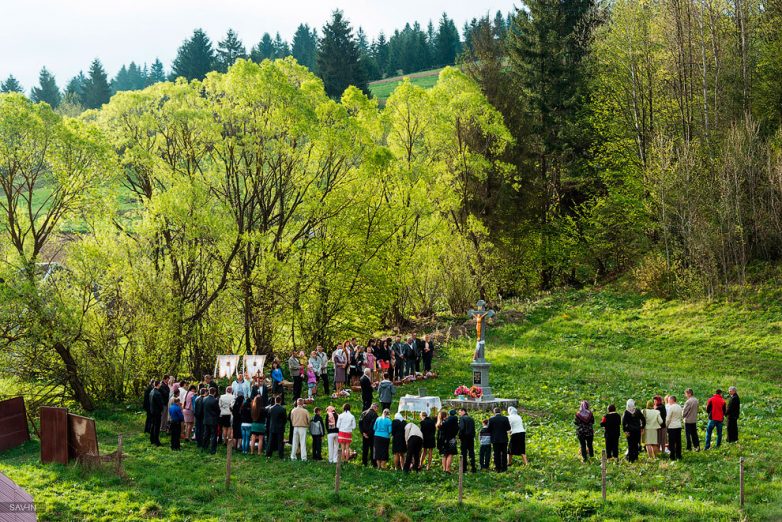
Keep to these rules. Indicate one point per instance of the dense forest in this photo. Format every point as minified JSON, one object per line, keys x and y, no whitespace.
{"x":252,"y":206}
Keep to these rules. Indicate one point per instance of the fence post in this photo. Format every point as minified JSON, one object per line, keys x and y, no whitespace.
{"x":741,"y":482}
{"x":339,"y":468}
{"x":603,"y":473}
{"x":461,"y":477}
{"x":229,"y":452}
{"x":119,"y":454}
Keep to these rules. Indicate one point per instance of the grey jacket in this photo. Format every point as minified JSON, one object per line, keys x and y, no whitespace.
{"x":386,"y":391}
{"x":690,"y":412}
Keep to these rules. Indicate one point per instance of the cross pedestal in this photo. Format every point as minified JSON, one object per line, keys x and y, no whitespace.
{"x":480,"y":377}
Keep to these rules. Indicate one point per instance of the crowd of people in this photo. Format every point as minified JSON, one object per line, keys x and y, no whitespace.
{"x":251,"y":414}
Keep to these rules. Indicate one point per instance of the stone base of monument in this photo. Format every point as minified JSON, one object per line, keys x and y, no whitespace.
{"x":482,"y":405}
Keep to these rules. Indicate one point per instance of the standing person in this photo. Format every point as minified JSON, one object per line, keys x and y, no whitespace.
{"x":188,"y":411}
{"x":398,"y":444}
{"x":429,"y":432}
{"x":733,"y":412}
{"x":147,"y":393}
{"x":340,"y":360}
{"x":418,"y":351}
{"x":633,"y":422}
{"x":225,"y":402}
{"x":324,"y":368}
{"x":371,"y":363}
{"x":386,"y":391}
{"x":294,"y":367}
{"x":175,"y":418}
{"x":278,"y":418}
{"x":211,"y":421}
{"x":258,"y":426}
{"x":428,"y":353}
{"x":499,"y":426}
{"x":467,"y":438}
{"x":156,"y":407}
{"x":382,"y":439}
{"x":485,"y":441}
{"x":317,"y":430}
{"x":366,"y":426}
{"x":612,"y":425}
{"x":673,"y":422}
{"x":246,"y":425}
{"x":518,"y":436}
{"x":300,"y":418}
{"x":198,"y":413}
{"x":314,"y":361}
{"x":716,"y":408}
{"x":585,"y":430}
{"x":652,"y":429}
{"x":332,"y":433}
{"x":400,"y":364}
{"x":236,"y":421}
{"x":240,"y":386}
{"x":384,"y":357}
{"x":410,"y":356}
{"x":450,"y":429}
{"x":662,"y":432}
{"x":346,"y":423}
{"x":366,"y":389}
{"x":690,"y":414}
{"x":414,"y":440}
{"x":312,"y":381}
{"x":277,"y":388}
{"x":165,"y":394}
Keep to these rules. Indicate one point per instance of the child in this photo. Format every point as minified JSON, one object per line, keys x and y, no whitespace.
{"x":485,"y":451}
{"x":612,"y":422}
{"x":316,"y":430}
{"x":370,"y":362}
{"x":176,"y":418}
{"x":312,"y":381}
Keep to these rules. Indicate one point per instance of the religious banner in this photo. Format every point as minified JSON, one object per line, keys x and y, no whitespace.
{"x":253,"y":365}
{"x":226,"y":366}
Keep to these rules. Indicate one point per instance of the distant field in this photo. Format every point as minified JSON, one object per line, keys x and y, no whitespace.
{"x":382,"y":89}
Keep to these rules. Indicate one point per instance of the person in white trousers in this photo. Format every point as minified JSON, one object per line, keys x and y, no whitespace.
{"x":300,"y":418}
{"x":333,"y":434}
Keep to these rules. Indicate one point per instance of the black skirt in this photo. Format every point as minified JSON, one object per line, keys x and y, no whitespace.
{"x":381,"y":449}
{"x":429,"y":443}
{"x":225,"y":421}
{"x":449,"y":447}
{"x":400,"y":446}
{"x":518,"y":444}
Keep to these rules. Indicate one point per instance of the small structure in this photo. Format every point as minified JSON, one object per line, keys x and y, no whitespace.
{"x":54,"y":435}
{"x":13,"y":423}
{"x":17,"y":504}
{"x":480,"y":368}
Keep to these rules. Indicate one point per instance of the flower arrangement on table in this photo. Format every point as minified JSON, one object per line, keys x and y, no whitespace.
{"x":461,"y":391}
{"x":476,"y":392}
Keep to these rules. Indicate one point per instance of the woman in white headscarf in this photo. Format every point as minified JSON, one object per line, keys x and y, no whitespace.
{"x":398,"y":444}
{"x":518,"y":436}
{"x":633,"y":422}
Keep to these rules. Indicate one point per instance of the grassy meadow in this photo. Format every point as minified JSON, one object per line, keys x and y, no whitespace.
{"x":601,"y":345}
{"x":382,"y":89}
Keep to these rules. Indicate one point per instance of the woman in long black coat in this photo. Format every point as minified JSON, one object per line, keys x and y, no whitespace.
{"x":398,"y":444}
{"x":633,"y":421}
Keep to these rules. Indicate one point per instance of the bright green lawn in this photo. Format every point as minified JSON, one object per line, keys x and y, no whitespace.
{"x":603,"y":346}
{"x":382,"y":89}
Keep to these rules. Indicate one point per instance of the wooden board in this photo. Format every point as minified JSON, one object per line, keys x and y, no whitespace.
{"x":16,"y":505}
{"x":54,"y":435}
{"x":13,"y":423}
{"x":82,"y":436}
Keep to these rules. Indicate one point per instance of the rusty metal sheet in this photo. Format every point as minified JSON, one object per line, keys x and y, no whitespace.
{"x":82,"y":436}
{"x":54,"y":435}
{"x":13,"y":423}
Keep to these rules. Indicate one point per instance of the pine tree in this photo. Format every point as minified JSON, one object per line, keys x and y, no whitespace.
{"x":74,"y":91}
{"x":229,"y":50}
{"x":367,"y":58}
{"x":447,"y":43}
{"x":380,"y":54}
{"x":264,"y":50}
{"x":157,"y":73}
{"x":11,"y":84}
{"x":195,"y":57}
{"x":47,"y":90}
{"x":120,"y":81}
{"x":281,"y":47}
{"x":339,"y":59}
{"x":96,"y":89}
{"x":304,"y":46}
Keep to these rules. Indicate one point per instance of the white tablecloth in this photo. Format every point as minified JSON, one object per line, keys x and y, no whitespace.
{"x":416,"y":403}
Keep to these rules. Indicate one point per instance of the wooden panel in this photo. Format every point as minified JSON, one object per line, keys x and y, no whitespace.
{"x":54,"y":435}
{"x":82,"y":436}
{"x":13,"y":423}
{"x":16,"y":505}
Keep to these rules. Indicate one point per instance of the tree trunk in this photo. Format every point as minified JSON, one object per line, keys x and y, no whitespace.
{"x":72,"y":375}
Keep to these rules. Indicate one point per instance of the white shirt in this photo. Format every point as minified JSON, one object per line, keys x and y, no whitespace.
{"x":516,"y":424}
{"x":673,"y":418}
{"x":225,"y":402}
{"x":346,"y":422}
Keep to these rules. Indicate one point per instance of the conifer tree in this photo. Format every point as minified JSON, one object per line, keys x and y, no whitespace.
{"x":11,"y":84}
{"x":229,"y":50}
{"x":447,"y":43}
{"x":339,"y":59}
{"x":304,"y":46}
{"x":47,"y":90}
{"x":157,"y":73}
{"x":195,"y":57}
{"x":264,"y":50}
{"x":96,"y":89}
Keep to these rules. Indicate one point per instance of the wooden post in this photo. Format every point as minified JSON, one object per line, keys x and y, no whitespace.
{"x":229,"y":452}
{"x":119,"y":454}
{"x":603,"y":472}
{"x":461,"y":477}
{"x":741,"y":482}
{"x":339,"y":468}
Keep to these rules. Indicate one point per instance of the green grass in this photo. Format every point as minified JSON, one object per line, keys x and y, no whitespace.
{"x":604,"y":346}
{"x":382,"y":89}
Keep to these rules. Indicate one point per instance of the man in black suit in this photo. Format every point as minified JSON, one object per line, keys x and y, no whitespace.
{"x":198,"y":413}
{"x":399,"y":355}
{"x":211,"y":417}
{"x":366,"y":389}
{"x":418,"y":350}
{"x":733,"y":412}
{"x":147,"y":392}
{"x":156,"y":411}
{"x":278,"y":417}
{"x":428,"y":353}
{"x":366,"y":425}
{"x":499,"y":426}
{"x":467,"y":438}
{"x":165,"y":394}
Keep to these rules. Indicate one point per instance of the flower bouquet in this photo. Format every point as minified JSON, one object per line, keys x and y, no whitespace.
{"x":476,"y":392}
{"x":461,"y":391}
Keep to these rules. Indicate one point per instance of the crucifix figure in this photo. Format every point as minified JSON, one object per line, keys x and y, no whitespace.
{"x":480,"y":314}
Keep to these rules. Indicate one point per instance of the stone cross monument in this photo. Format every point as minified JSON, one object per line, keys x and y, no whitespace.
{"x":480,"y":366}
